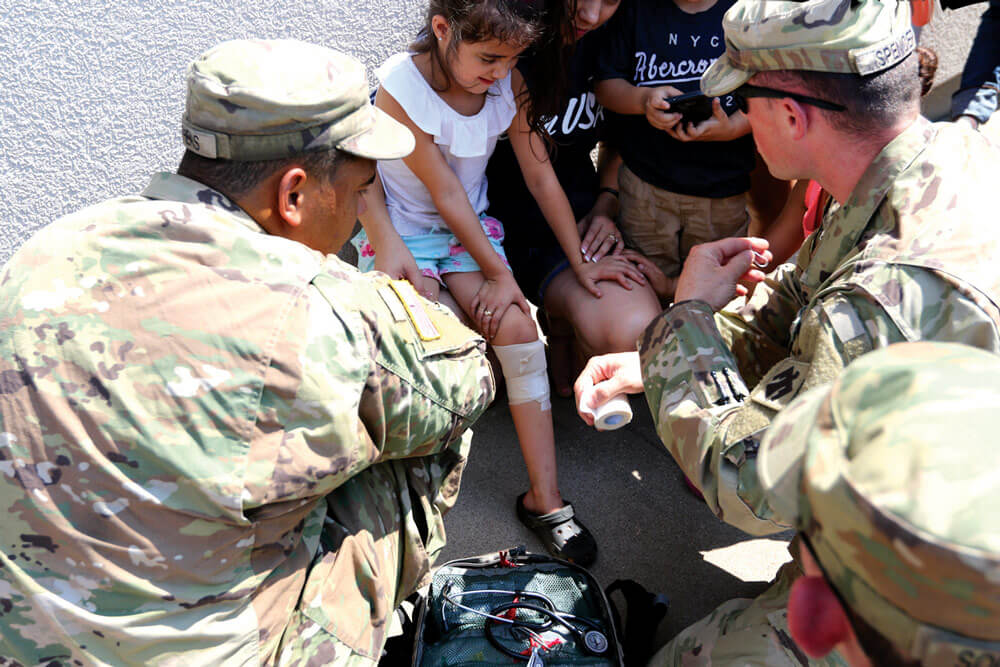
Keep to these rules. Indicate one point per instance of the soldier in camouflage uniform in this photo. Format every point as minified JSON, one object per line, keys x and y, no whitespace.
{"x":219,"y":444}
{"x":906,"y":251}
{"x":898,"y":514}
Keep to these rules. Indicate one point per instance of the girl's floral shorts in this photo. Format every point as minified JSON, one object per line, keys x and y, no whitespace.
{"x":438,"y":252}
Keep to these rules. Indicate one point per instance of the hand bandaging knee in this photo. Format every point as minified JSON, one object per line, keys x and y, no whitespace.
{"x":524,"y":368}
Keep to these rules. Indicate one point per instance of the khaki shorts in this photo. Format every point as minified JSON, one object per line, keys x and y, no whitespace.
{"x":664,"y":225}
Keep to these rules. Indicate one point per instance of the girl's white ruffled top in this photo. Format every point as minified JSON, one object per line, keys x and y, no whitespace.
{"x":467,"y":142}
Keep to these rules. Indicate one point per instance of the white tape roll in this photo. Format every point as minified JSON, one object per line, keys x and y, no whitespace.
{"x":614,"y":413}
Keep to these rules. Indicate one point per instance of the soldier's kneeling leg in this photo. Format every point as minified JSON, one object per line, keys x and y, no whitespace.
{"x":383,"y":529}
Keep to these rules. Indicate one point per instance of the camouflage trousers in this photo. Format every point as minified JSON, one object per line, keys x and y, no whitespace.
{"x":383,"y":531}
{"x":744,"y":632}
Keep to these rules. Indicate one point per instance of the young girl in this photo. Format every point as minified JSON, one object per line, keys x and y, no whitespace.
{"x":455,"y":91}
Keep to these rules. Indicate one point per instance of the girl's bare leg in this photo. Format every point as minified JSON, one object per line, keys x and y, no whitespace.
{"x":532,"y":422}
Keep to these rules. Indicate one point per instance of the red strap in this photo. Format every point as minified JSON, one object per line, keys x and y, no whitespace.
{"x":814,"y":208}
{"x":505,"y":561}
{"x":921,"y":12}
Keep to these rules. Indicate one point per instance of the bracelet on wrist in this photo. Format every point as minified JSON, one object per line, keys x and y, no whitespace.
{"x":610,"y":191}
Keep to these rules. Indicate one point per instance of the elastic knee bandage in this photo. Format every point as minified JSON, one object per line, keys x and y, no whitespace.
{"x":524,"y":369}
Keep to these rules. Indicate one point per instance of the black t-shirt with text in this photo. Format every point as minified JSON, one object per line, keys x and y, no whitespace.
{"x":574,"y":132}
{"x":655,"y":43}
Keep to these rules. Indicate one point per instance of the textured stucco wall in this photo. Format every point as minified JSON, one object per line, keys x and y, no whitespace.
{"x":950,"y":34}
{"x":91,"y":91}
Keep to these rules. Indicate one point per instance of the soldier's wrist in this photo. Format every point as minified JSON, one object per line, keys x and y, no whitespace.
{"x":692,"y":303}
{"x":970,"y":120}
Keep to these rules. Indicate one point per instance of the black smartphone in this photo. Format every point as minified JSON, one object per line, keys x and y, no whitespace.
{"x":693,"y":107}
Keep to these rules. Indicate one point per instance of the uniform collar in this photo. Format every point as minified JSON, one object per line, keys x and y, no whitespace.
{"x":842,"y":227}
{"x":173,"y":187}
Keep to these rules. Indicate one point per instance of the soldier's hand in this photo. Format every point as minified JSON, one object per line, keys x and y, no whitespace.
{"x":713,"y":271}
{"x":605,"y":377}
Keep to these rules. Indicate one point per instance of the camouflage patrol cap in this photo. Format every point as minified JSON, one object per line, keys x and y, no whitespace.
{"x":846,"y":36}
{"x":892,"y":473}
{"x":271,"y":99}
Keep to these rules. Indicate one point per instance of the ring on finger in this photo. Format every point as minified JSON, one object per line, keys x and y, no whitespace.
{"x":612,"y":238}
{"x":487,"y":312}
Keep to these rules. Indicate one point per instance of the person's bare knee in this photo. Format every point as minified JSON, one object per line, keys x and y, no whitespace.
{"x":623,"y":336}
{"x":515,"y":328}
{"x":613,"y":323}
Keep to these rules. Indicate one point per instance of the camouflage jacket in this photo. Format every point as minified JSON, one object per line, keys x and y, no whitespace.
{"x":181,"y":397}
{"x":911,"y":256}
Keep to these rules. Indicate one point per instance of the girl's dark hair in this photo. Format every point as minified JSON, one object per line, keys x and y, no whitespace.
{"x":540,"y":25}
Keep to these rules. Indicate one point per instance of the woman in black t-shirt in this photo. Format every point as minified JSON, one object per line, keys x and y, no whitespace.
{"x":613,"y":322}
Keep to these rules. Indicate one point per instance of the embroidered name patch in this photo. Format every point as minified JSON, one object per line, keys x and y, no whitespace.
{"x":415,"y":310}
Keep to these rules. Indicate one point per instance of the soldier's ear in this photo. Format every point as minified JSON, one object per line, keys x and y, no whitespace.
{"x":290,"y":196}
{"x":795,"y":119}
{"x":816,"y":618}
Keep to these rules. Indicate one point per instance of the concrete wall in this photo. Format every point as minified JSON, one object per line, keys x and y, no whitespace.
{"x":91,"y":91}
{"x":950,"y":35}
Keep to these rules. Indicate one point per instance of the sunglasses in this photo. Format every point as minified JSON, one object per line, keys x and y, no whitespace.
{"x":746,"y":91}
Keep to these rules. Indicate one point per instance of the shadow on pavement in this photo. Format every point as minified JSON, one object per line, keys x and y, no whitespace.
{"x":630,"y":493}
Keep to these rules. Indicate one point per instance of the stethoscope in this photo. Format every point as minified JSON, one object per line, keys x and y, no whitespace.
{"x":590,"y":637}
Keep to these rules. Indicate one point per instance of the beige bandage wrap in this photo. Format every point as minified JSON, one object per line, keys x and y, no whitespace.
{"x":524,"y":368}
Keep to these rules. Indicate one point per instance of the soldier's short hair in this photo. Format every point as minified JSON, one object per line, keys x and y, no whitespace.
{"x":873,"y":101}
{"x":235,"y":178}
{"x":857,"y":53}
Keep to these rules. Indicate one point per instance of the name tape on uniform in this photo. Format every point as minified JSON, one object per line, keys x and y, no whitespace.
{"x":415,"y":309}
{"x":393,"y":303}
{"x":202,"y":143}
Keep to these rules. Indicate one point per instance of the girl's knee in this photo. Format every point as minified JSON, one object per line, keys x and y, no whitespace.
{"x":622,"y":339}
{"x":515,"y":328}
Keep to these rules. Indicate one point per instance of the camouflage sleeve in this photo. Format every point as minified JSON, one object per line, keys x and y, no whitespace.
{"x":353,"y":383}
{"x":422,"y":394}
{"x":412,"y":380}
{"x":429,"y":379}
{"x":758,"y":333}
{"x":708,"y":418}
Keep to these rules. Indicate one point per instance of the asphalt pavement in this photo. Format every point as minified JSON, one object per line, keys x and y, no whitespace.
{"x":629,"y":492}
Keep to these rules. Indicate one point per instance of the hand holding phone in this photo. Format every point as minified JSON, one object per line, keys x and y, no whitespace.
{"x":693,"y":107}
{"x":654,"y":103}
{"x":719,"y":126}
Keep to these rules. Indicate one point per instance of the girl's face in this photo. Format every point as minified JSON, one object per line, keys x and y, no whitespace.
{"x":474,"y":66}
{"x":592,"y":14}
